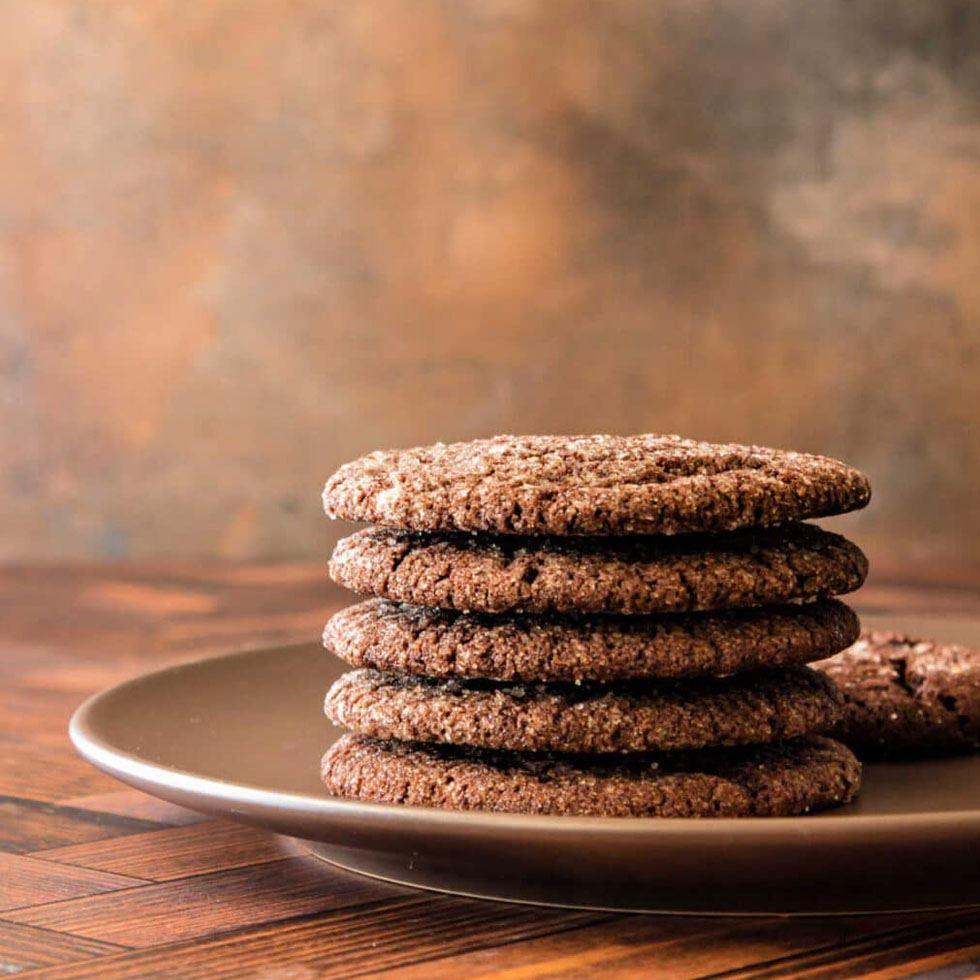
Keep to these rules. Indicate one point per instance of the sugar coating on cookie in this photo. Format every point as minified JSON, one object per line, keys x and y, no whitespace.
{"x":599,"y":575}
{"x":907,"y":697}
{"x":631,"y":716}
{"x":408,"y":639}
{"x":591,"y":485}
{"x":788,"y":779}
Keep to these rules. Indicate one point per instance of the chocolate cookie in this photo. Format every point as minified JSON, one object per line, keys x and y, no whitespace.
{"x":443,"y":643}
{"x":791,"y":778}
{"x":637,"y":716}
{"x":907,"y":697}
{"x":599,"y":575}
{"x":590,"y":485}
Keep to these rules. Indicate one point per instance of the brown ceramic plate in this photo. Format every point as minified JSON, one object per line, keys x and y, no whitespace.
{"x":241,"y":736}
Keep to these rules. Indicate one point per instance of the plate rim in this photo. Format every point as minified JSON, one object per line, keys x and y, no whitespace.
{"x":127,"y":767}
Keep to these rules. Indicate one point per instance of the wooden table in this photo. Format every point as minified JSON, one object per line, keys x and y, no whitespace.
{"x":99,"y":880}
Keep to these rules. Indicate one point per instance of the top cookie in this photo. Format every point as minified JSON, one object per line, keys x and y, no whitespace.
{"x":591,"y":485}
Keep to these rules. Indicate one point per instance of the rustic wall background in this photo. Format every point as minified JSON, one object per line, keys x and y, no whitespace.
{"x":241,"y":242}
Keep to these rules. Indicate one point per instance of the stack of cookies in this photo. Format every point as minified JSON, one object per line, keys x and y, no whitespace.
{"x":597,"y":625}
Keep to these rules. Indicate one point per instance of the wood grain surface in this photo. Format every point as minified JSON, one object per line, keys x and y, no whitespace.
{"x":97,"y":880}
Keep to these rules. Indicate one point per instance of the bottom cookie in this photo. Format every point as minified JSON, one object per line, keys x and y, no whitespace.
{"x":907,"y":697}
{"x":795,"y":777}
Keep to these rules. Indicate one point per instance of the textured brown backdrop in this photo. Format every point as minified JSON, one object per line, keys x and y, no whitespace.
{"x":243,"y":241}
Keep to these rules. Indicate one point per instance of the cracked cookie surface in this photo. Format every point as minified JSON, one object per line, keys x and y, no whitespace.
{"x":792,"y":778}
{"x":591,"y":485}
{"x":907,"y":697}
{"x":407,"y":639}
{"x":638,"y":716}
{"x":599,"y":575}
